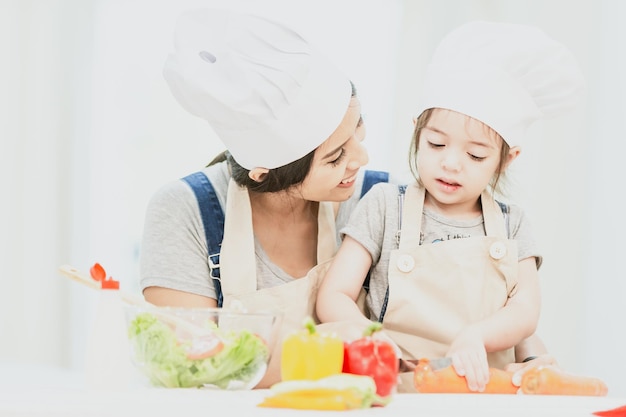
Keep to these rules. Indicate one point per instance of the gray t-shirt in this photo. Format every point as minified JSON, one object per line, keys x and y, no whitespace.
{"x":374,"y":224}
{"x":174,"y":250}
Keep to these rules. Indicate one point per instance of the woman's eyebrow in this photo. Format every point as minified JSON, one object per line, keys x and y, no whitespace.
{"x":338,"y":148}
{"x":334,"y":151}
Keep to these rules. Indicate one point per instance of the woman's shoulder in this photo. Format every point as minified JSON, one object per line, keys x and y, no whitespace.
{"x":181,"y":192}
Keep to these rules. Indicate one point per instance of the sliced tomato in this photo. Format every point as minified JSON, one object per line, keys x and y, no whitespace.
{"x":97,"y":272}
{"x":204,"y":347}
{"x":258,"y":336}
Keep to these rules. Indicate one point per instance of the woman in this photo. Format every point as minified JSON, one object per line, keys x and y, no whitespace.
{"x":292,"y":125}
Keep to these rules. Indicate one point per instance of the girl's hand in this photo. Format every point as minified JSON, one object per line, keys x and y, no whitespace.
{"x":519,"y":369}
{"x":469,"y":359}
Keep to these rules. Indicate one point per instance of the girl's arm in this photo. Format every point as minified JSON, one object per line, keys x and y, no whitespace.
{"x":531,"y":347}
{"x":518,"y":319}
{"x":507,"y":327}
{"x":529,"y":353}
{"x":336,"y":299}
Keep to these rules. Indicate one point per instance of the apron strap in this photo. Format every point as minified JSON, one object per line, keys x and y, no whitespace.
{"x":413,"y":207}
{"x":496,"y":224}
{"x":496,"y":219}
{"x":238,"y":258}
{"x":326,"y":233}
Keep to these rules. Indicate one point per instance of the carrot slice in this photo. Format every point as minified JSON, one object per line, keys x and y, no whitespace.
{"x":549,"y":380}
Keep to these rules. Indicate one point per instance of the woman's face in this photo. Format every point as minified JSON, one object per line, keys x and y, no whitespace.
{"x":337,"y":161}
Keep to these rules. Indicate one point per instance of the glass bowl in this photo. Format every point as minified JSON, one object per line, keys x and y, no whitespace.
{"x":185,"y":347}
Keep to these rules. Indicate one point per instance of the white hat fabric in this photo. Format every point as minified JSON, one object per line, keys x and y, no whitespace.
{"x":268,"y":94}
{"x":505,"y":75}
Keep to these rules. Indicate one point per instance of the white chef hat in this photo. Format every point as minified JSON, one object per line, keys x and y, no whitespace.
{"x":268,"y":94}
{"x":505,"y":75}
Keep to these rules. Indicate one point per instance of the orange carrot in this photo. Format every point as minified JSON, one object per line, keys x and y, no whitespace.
{"x":553,"y":381}
{"x":446,"y":380}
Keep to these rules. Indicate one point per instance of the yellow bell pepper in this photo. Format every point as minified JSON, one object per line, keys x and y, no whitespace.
{"x":308,"y":354}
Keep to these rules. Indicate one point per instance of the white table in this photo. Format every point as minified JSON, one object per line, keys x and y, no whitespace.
{"x":62,"y":393}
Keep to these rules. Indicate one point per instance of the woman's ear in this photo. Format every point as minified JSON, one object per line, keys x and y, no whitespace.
{"x":258,"y":174}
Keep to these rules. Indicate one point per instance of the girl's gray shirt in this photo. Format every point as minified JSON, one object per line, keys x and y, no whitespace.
{"x":174,"y":251}
{"x":374,"y":224}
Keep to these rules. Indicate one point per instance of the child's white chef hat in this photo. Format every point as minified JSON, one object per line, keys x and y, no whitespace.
{"x":505,"y":75}
{"x":268,"y":94}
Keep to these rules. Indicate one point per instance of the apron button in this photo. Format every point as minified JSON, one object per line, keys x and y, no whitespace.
{"x":497,"y":250}
{"x":405,"y":263}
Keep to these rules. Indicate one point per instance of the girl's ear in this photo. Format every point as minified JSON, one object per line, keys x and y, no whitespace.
{"x":258,"y":174}
{"x":513,"y":153}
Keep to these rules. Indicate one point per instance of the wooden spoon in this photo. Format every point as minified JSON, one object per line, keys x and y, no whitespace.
{"x":132,"y":299}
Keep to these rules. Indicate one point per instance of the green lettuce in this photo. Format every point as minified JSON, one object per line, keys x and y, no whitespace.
{"x":164,"y":360}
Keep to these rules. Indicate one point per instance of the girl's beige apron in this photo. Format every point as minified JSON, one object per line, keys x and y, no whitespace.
{"x":294,"y":300}
{"x":436,"y":289}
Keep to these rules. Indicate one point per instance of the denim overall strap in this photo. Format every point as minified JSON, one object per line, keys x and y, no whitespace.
{"x":213,"y":221}
{"x":401,"y":191}
{"x":372,"y":177}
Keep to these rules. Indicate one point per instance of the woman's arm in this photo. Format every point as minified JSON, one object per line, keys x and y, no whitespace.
{"x":167,"y":297}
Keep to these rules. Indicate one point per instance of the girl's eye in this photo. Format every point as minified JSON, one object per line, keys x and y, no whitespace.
{"x":336,"y":161}
{"x":477,"y":158}
{"x":434,"y":145}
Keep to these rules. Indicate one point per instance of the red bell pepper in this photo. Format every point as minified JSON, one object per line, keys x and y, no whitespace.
{"x":375,"y":358}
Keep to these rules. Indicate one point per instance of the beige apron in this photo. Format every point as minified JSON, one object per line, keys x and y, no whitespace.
{"x":294,"y":301}
{"x":435,"y":290}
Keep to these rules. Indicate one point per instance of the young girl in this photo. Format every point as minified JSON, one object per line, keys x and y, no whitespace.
{"x":452,"y":271}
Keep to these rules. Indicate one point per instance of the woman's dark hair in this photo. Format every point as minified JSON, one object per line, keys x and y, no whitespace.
{"x":276,"y":179}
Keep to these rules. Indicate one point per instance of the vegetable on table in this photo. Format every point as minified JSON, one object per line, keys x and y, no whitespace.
{"x":204,"y":347}
{"x":310,"y":355}
{"x":335,"y":392}
{"x":375,"y":358}
{"x":613,"y":412}
{"x":172,"y":363}
{"x":550,"y":380}
{"x":542,"y":380}
{"x":446,"y":380}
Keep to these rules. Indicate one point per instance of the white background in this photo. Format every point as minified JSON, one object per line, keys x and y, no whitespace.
{"x":89,"y":130}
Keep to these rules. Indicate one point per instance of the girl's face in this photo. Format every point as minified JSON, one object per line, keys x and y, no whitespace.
{"x":337,"y":161}
{"x":457,"y":158}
